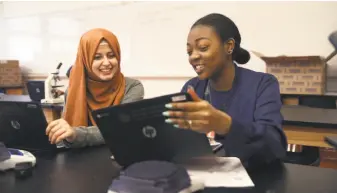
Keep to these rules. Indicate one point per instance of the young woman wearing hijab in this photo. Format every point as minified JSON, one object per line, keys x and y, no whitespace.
{"x":95,"y":82}
{"x":242,"y":107}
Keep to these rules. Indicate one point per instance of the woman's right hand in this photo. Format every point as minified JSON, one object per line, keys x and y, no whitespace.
{"x":59,"y":130}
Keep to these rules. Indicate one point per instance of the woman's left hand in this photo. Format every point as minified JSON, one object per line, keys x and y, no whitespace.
{"x":198,"y":115}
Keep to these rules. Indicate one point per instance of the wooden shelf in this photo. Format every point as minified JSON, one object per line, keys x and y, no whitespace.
{"x":308,"y":136}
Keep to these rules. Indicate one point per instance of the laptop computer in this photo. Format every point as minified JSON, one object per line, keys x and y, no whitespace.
{"x":23,"y":124}
{"x":36,"y":90}
{"x":137,"y":132}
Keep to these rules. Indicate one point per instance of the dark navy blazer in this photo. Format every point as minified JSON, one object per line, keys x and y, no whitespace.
{"x":256,"y":135}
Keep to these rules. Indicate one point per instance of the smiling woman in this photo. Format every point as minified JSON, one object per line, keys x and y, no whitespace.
{"x":241,"y":106}
{"x":95,"y":82}
{"x":105,"y":64}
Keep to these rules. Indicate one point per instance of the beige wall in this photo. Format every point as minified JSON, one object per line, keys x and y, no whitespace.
{"x":153,"y":34}
{"x":264,"y":28}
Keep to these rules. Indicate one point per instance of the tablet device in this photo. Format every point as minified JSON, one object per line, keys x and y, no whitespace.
{"x":137,"y":132}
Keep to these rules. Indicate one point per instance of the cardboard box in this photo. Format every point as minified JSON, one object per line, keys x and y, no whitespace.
{"x":298,"y":74}
{"x":10,"y":74}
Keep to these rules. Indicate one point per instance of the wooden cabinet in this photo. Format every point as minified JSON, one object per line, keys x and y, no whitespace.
{"x":14,"y":91}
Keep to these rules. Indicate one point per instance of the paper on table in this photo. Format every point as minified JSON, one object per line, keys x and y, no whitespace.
{"x":219,"y":172}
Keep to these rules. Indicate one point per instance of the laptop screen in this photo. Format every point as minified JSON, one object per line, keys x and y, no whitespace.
{"x":137,"y":132}
{"x":23,"y":125}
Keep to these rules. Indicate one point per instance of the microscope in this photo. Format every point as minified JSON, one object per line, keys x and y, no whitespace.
{"x":333,"y":41}
{"x":52,"y":94}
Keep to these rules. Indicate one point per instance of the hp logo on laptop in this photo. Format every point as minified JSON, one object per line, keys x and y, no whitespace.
{"x":15,"y":125}
{"x":149,"y":131}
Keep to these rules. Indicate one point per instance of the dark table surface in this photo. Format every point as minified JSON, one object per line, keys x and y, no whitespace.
{"x":91,"y":170}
